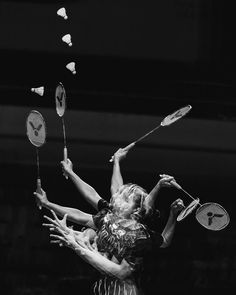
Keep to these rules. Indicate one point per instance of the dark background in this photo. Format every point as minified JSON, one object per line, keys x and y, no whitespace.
{"x":136,"y":61}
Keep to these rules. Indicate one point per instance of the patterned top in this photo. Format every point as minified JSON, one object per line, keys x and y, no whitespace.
{"x":122,"y":242}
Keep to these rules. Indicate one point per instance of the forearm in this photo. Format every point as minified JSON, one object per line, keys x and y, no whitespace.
{"x":74,"y":215}
{"x":87,"y":191}
{"x":169,"y":230}
{"x":116,"y":179}
{"x":104,"y":265}
{"x":152,"y":196}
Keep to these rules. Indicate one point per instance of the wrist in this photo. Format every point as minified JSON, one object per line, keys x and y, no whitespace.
{"x":69,"y":172}
{"x":116,"y":160}
{"x":46,"y":204}
{"x":173,"y":214}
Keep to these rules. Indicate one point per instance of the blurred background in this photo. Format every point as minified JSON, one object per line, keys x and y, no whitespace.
{"x":136,"y":62}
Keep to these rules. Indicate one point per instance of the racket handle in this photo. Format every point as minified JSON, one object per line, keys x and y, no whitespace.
{"x":39,"y":189}
{"x":126,"y":149}
{"x":65,"y":154}
{"x":176,"y":185}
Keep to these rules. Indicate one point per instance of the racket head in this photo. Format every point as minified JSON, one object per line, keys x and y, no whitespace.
{"x":60,"y":99}
{"x":170,"y":119}
{"x":36,"y":128}
{"x":212,"y":216}
{"x":186,"y":211}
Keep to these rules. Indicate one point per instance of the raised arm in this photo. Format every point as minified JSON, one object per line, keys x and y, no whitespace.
{"x":116,"y":178}
{"x":73,"y":214}
{"x":165,"y":181}
{"x":169,"y":229}
{"x":87,"y":191}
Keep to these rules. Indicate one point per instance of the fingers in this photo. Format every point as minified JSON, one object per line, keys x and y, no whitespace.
{"x":178,"y":204}
{"x":50,"y":220}
{"x":57,"y":237}
{"x":57,"y":242}
{"x":50,"y":225}
{"x":67,"y":162}
{"x":167,"y":177}
{"x":55,"y":216}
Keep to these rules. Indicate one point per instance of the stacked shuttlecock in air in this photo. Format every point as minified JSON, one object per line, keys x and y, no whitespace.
{"x":67,"y":39}
{"x":38,"y":90}
{"x":62,"y":12}
{"x":71,"y":67}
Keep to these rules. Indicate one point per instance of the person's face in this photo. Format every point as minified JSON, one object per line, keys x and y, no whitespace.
{"x":126,"y":200}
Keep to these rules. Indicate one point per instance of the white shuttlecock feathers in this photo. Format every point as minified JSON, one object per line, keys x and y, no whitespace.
{"x":71,"y":66}
{"x":67,"y":39}
{"x":62,"y":12}
{"x":38,"y":90}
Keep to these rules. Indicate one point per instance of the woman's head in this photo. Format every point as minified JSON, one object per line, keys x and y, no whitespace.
{"x":128,"y":201}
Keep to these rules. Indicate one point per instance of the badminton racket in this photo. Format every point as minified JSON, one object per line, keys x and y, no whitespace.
{"x":167,"y":121}
{"x":60,"y":99}
{"x":36,"y":132}
{"x":210,"y":215}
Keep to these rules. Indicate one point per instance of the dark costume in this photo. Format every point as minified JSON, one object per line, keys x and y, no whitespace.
{"x":122,"y":242}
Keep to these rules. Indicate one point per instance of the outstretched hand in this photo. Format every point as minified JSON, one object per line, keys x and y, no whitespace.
{"x":64,"y":238}
{"x":56,"y":223}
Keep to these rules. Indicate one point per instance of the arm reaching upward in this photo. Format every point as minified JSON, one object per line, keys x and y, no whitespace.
{"x":165,"y":181}
{"x":117,"y":179}
{"x":169,"y":229}
{"x":87,"y":191}
{"x":73,"y":214}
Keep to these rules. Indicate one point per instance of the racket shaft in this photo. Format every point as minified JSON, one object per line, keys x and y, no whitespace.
{"x":39,"y":189}
{"x":188,"y":194}
{"x":145,"y":135}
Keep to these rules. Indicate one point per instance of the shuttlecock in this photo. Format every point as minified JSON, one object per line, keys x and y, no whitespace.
{"x":71,"y":66}
{"x":38,"y":90}
{"x":62,"y":12}
{"x":67,"y":39}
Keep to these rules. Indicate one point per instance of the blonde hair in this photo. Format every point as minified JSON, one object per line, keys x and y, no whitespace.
{"x":139,"y":197}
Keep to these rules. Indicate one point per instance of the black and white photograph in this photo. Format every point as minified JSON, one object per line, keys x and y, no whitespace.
{"x":117,"y":147}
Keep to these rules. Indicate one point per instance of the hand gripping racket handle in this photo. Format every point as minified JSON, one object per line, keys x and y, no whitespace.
{"x":39,"y":190}
{"x":126,"y":149}
{"x":65,"y":158}
{"x":176,"y":185}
